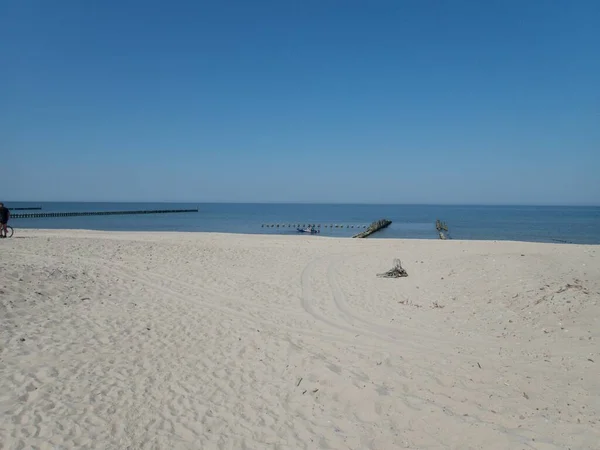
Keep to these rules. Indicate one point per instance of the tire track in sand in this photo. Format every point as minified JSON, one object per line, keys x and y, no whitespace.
{"x":145,"y":278}
{"x":394,"y":333}
{"x":412,"y":340}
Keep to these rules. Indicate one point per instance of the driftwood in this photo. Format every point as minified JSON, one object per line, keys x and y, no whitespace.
{"x":397,"y":272}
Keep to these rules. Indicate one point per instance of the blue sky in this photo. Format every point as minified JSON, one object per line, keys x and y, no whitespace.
{"x":301,"y":100}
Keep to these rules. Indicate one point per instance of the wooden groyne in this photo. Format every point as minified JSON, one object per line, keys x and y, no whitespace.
{"x":373,"y":228}
{"x":441,"y":226}
{"x":37,"y":208}
{"x":442,"y":229}
{"x":101,"y":213}
{"x":368,"y":230}
{"x":308,"y":225}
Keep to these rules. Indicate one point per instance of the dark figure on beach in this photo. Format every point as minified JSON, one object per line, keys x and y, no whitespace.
{"x":4,"y":216}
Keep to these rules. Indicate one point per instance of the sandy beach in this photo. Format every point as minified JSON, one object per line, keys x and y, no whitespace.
{"x":213,"y":341}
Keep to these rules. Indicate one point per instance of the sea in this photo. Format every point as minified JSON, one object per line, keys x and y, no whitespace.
{"x":564,"y":224}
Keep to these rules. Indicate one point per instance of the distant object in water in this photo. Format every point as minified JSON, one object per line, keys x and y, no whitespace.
{"x":101,"y":213}
{"x":442,"y":229}
{"x":374,"y":228}
{"x":311,"y":230}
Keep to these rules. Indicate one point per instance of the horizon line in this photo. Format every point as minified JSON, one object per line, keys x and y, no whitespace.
{"x":310,"y":203}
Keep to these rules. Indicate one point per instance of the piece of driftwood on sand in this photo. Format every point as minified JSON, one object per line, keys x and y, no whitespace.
{"x":396,"y":272}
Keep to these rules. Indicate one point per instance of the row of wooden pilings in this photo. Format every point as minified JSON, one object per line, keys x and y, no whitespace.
{"x":373,"y":228}
{"x":442,"y":229}
{"x":101,"y":213}
{"x":308,"y":225}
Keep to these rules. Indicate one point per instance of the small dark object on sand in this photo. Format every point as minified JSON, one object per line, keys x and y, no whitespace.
{"x":397,"y":272}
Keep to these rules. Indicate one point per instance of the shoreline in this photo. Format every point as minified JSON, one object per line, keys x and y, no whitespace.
{"x":526,"y":224}
{"x":59,"y":231}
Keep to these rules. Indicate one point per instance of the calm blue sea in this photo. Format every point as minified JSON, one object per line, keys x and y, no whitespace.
{"x":523,"y":223}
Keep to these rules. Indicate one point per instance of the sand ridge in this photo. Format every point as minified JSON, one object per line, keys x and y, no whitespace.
{"x":190,"y":340}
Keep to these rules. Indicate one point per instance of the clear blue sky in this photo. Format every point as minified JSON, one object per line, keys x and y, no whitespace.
{"x":301,"y":100}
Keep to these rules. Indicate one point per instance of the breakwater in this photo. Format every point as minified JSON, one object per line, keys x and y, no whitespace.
{"x":100,"y":213}
{"x":373,"y":228}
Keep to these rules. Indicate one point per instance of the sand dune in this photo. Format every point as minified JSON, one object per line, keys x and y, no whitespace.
{"x":210,"y":341}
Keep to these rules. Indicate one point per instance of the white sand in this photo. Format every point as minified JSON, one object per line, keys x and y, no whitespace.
{"x":209,"y":341}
